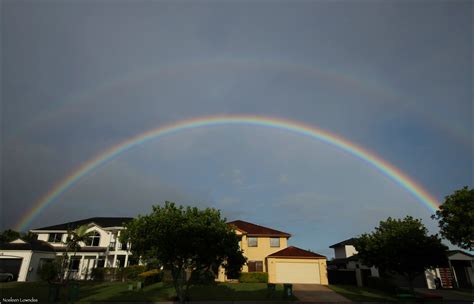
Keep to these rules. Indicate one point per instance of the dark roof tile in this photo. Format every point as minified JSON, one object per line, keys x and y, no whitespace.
{"x":34,"y":245}
{"x":295,"y":252}
{"x":101,"y":221}
{"x":257,"y":230}
{"x":350,"y":241}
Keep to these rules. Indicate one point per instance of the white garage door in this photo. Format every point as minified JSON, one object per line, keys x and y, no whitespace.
{"x":297,"y":273}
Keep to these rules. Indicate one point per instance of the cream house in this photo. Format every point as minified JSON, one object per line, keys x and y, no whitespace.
{"x":267,"y":250}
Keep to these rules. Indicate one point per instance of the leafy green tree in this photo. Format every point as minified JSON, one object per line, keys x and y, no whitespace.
{"x":188,"y":242}
{"x":9,"y":235}
{"x":456,"y":218}
{"x":28,"y":236}
{"x":402,"y":247}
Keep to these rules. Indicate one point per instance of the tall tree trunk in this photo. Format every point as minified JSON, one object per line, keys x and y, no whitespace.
{"x":179,"y":282}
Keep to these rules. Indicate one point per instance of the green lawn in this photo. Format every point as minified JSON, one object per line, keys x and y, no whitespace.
{"x":362,"y":294}
{"x":118,"y":292}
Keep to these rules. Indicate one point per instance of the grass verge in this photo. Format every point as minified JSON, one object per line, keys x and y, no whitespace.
{"x":119,"y":292}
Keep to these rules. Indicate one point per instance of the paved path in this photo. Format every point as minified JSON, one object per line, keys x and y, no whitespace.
{"x":312,"y":293}
{"x":451,"y":295}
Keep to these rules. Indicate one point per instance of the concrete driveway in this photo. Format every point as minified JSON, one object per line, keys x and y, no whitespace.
{"x":313,"y":293}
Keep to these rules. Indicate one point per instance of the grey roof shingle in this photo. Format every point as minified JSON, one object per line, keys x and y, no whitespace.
{"x":350,"y":241}
{"x":34,"y":245}
{"x":101,"y":221}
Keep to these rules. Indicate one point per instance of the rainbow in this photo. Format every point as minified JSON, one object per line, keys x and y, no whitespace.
{"x":258,"y":121}
{"x":197,"y":66}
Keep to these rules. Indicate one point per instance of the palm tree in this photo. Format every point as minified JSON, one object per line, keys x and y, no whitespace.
{"x":73,"y":244}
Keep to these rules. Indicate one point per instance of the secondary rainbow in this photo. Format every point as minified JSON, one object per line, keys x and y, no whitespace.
{"x":259,"y":121}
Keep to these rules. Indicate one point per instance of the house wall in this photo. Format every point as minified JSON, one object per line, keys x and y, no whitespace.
{"x":340,"y":252}
{"x":260,"y":252}
{"x":357,"y":266}
{"x":108,"y":238}
{"x":431,"y":275}
{"x":34,"y":264}
{"x":25,"y":255}
{"x":44,"y":236}
{"x":460,"y":256}
{"x":350,"y":250}
{"x":87,"y":263}
{"x":468,"y":269}
{"x":323,"y":274}
{"x":470,"y":272}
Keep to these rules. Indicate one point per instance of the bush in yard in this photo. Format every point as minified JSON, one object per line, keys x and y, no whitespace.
{"x":131,"y":273}
{"x":49,"y":272}
{"x":150,"y":276}
{"x":203,"y":278}
{"x":98,"y":274}
{"x":153,"y":264}
{"x":106,"y":274}
{"x":253,"y":277}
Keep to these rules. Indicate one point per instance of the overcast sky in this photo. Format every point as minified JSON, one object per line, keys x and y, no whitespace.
{"x":394,"y":77}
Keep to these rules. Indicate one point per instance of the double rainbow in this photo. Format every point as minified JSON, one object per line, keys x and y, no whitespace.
{"x":259,"y":121}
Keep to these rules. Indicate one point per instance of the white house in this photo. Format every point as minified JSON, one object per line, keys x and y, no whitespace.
{"x":346,"y":259}
{"x":24,"y":258}
{"x":459,"y":271}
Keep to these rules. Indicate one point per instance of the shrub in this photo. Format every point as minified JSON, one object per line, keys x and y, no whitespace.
{"x":253,"y":277}
{"x":98,"y":274}
{"x":105,"y":274}
{"x":131,"y":273}
{"x":117,"y":274}
{"x":49,"y":271}
{"x":150,"y":276}
{"x":152,"y":264}
{"x":203,"y":278}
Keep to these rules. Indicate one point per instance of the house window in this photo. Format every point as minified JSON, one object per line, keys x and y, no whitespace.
{"x":255,"y":266}
{"x":55,"y":237}
{"x":123,"y":246}
{"x":74,"y":263}
{"x":112,"y":246}
{"x":252,"y":242}
{"x":94,"y":239}
{"x":274,"y":242}
{"x":100,"y":263}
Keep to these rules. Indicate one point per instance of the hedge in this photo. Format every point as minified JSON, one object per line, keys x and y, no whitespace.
{"x":131,"y":273}
{"x":117,"y":274}
{"x":150,"y":276}
{"x":253,"y":277}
